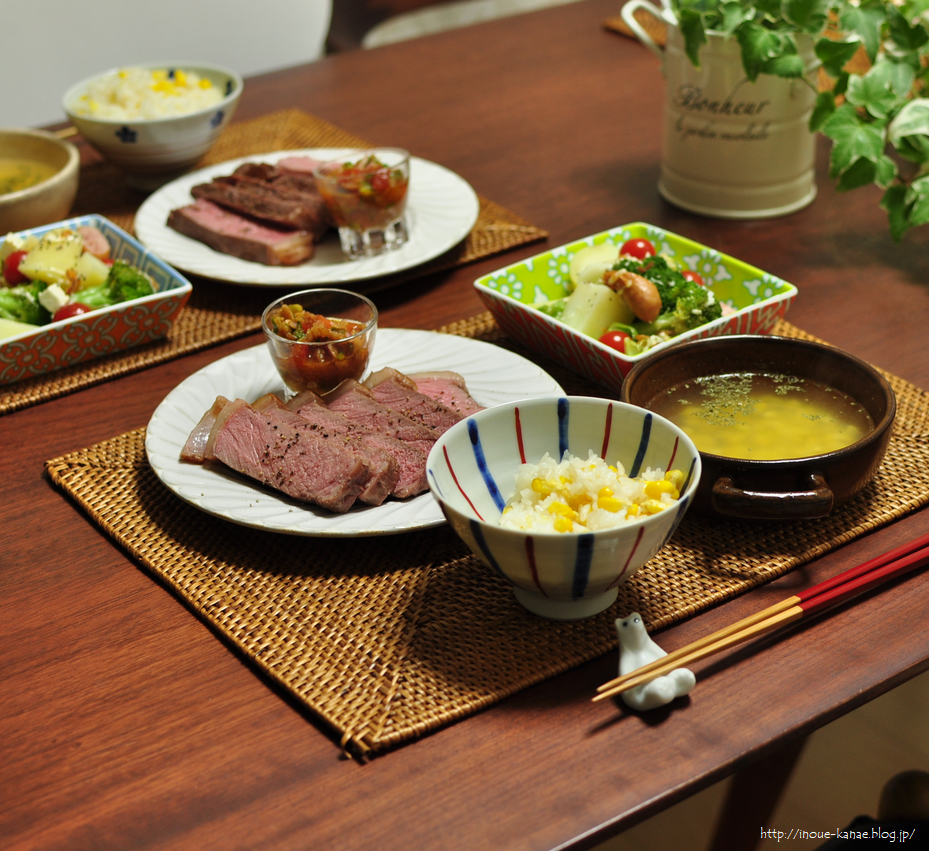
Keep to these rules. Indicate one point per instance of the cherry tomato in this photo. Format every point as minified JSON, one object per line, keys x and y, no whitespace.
{"x":615,"y":340}
{"x":69,"y":310}
{"x":640,"y":248}
{"x":11,"y":268}
{"x":693,"y":276}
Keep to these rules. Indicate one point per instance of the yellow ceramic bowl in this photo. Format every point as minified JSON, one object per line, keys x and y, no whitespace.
{"x":47,"y":201}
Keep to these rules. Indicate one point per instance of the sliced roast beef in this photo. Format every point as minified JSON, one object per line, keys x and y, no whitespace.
{"x":383,"y":468}
{"x":296,"y":211}
{"x":287,"y":453}
{"x":241,"y":237}
{"x":396,"y":391}
{"x":194,"y":450}
{"x":406,"y":460}
{"x":449,"y":388}
{"x":357,"y":402}
{"x":299,"y":165}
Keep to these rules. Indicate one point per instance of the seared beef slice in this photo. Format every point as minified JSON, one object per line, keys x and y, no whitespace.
{"x":396,"y":391}
{"x":296,"y":458}
{"x":408,"y":459}
{"x":241,"y":237}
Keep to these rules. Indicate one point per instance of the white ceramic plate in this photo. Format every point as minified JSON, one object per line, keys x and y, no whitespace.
{"x":493,"y":376}
{"x":441,"y":210}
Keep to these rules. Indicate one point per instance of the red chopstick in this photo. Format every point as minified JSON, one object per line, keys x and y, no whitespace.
{"x":850,"y":583}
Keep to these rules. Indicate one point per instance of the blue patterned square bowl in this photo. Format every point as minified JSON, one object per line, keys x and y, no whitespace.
{"x":103,"y":331}
{"x":562,"y":576}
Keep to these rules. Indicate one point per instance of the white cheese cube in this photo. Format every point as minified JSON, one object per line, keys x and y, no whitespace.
{"x":53,"y":298}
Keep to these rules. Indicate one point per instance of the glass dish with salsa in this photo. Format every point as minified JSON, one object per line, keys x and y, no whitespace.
{"x":319,"y":338}
{"x":366,"y":194}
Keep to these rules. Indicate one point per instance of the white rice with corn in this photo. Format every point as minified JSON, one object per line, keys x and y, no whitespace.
{"x":141,"y":93}
{"x":577,"y":495}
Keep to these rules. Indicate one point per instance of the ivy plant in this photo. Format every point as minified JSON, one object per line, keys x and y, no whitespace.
{"x":878,"y":117}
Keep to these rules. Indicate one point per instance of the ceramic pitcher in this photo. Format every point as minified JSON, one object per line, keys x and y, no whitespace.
{"x":731,"y":148}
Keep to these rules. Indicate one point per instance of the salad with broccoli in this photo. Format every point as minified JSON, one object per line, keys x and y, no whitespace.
{"x":632,"y":299}
{"x":64,"y":273}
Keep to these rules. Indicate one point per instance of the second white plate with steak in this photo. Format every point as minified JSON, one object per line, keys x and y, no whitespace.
{"x":493,"y":375}
{"x":441,"y":211}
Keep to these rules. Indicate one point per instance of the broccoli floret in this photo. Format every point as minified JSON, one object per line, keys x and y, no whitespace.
{"x":124,"y":282}
{"x":554,"y":308}
{"x":21,"y":304}
{"x":694,"y":306}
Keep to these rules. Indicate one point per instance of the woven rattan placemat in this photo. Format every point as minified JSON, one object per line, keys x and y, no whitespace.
{"x":385,"y":639}
{"x":217,"y":312}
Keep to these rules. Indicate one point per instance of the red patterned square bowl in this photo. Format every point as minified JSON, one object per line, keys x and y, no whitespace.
{"x":753,"y":300}
{"x":103,"y":331}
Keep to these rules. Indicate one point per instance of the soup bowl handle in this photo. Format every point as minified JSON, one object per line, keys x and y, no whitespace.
{"x":731,"y":501}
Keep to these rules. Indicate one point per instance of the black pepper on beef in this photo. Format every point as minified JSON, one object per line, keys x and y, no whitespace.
{"x":329,"y":450}
{"x":409,"y":460}
{"x":395,"y":390}
{"x":297,"y":458}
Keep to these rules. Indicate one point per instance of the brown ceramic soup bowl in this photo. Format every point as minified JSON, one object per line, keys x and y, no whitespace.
{"x":789,"y":489}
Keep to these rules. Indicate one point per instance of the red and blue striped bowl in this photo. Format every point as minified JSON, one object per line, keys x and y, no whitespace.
{"x":562,"y":576}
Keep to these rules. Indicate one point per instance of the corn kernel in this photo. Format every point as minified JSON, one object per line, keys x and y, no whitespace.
{"x":563,"y":510}
{"x":540,"y":486}
{"x":605,"y":492}
{"x":562,"y":524}
{"x":676,"y":477}
{"x":653,"y":506}
{"x":609,"y":503}
{"x":654,"y":490}
{"x":632,"y":511}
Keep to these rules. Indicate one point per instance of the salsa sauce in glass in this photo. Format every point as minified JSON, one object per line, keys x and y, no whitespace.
{"x":326,"y":350}
{"x":364,"y":195}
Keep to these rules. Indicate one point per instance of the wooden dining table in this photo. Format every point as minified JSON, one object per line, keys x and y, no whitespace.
{"x":125,"y":723}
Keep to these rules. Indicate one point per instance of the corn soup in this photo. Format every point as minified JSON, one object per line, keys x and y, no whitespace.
{"x":763,"y":417}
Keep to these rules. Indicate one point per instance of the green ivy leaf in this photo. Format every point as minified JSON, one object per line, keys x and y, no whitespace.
{"x":917,"y":202}
{"x":913,"y":8}
{"x":873,"y":91}
{"x":894,"y":203}
{"x":906,"y":37}
{"x":909,"y":131}
{"x":864,"y":21}
{"x":885,"y":172}
{"x":835,"y":54}
{"x":691,"y":24}
{"x":853,"y":137}
{"x":759,"y":47}
{"x":822,"y":109}
{"x":769,"y":8}
{"x":808,"y":16}
{"x":860,"y":173}
{"x":733,"y":15}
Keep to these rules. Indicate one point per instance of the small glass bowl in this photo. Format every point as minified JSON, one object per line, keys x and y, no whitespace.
{"x":320,"y":365}
{"x":366,"y":193}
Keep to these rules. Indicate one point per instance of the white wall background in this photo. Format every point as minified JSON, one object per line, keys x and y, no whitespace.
{"x":49,"y":45}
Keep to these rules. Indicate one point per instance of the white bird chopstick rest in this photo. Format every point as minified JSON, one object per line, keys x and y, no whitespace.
{"x":636,"y":649}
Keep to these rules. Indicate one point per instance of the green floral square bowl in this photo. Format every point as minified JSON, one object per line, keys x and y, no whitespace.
{"x":753,"y":301}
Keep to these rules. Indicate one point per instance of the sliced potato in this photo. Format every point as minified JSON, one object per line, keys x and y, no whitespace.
{"x":91,"y":271}
{"x":10,"y":328}
{"x":591,"y":262}
{"x":56,"y":254}
{"x":592,"y":308}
